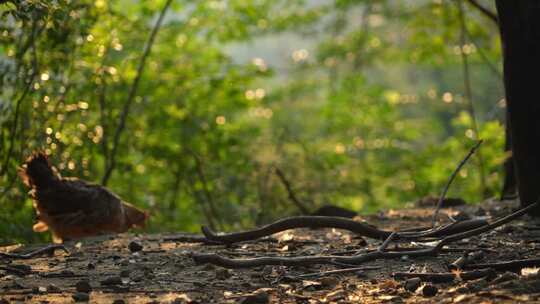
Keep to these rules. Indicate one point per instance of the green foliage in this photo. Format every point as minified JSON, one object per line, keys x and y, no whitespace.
{"x":369,"y":115}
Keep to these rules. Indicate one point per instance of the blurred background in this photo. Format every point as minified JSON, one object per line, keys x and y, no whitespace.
{"x":187,"y":108}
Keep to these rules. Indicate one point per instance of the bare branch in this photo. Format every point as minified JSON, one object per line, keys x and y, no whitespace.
{"x":290,"y":192}
{"x":507,"y":265}
{"x":206,"y":191}
{"x":131,"y":94}
{"x":50,"y":249}
{"x":357,"y":259}
{"x":13,"y":131}
{"x":339,"y":223}
{"x":468,"y":93}
{"x":331,"y":272}
{"x":204,"y":208}
{"x":485,"y":11}
{"x":445,"y":277}
{"x":445,"y":190}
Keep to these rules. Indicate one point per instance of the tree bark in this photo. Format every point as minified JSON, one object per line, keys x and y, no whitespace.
{"x":509,"y":189}
{"x":519,"y":23}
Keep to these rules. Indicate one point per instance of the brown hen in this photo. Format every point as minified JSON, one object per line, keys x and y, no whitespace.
{"x":73,"y":208}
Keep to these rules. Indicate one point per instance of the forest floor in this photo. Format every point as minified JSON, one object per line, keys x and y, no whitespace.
{"x":110,"y":270}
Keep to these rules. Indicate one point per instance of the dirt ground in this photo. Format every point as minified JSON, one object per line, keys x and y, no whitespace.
{"x":110,"y":270}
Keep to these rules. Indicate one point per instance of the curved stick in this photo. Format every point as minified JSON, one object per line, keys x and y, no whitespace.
{"x":335,"y":222}
{"x":452,"y":228}
{"x":298,"y":222}
{"x":356,"y":259}
{"x":451,"y":179}
{"x":26,"y":256}
{"x":218,"y":260}
{"x":445,"y":277}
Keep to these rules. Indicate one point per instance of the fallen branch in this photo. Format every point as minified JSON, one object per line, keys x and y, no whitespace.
{"x":357,"y":259}
{"x":514,"y":265}
{"x":332,"y":272}
{"x":449,"y":229}
{"x":191,"y":239}
{"x":298,"y":222}
{"x":466,"y":259}
{"x":445,"y":277}
{"x":21,"y":272}
{"x":339,"y":223}
{"x":50,"y":249}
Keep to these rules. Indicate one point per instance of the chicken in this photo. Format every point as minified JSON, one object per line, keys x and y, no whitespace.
{"x":73,"y":208}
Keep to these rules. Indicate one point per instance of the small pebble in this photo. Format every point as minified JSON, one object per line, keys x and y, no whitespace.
{"x":90,"y":266}
{"x":429,"y":290}
{"x":135,"y":247}
{"x":81,"y":297}
{"x":412,"y":284}
{"x":83,"y":286}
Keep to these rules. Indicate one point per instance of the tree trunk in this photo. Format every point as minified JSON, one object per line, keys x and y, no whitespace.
{"x":519,"y":23}
{"x":509,"y":189}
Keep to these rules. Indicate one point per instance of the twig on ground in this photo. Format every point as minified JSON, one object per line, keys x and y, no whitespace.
{"x":359,"y":228}
{"x":50,"y":249}
{"x":62,"y":274}
{"x":445,"y":277}
{"x":298,"y":222}
{"x":444,"y":230}
{"x":357,"y":259}
{"x":386,"y":242}
{"x":514,"y":265}
{"x":451,"y":179}
{"x":21,"y":272}
{"x":466,"y":259}
{"x":191,"y":239}
{"x":335,"y":271}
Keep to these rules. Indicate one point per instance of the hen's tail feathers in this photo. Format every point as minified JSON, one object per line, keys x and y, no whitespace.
{"x":135,"y":217}
{"x":37,"y":171}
